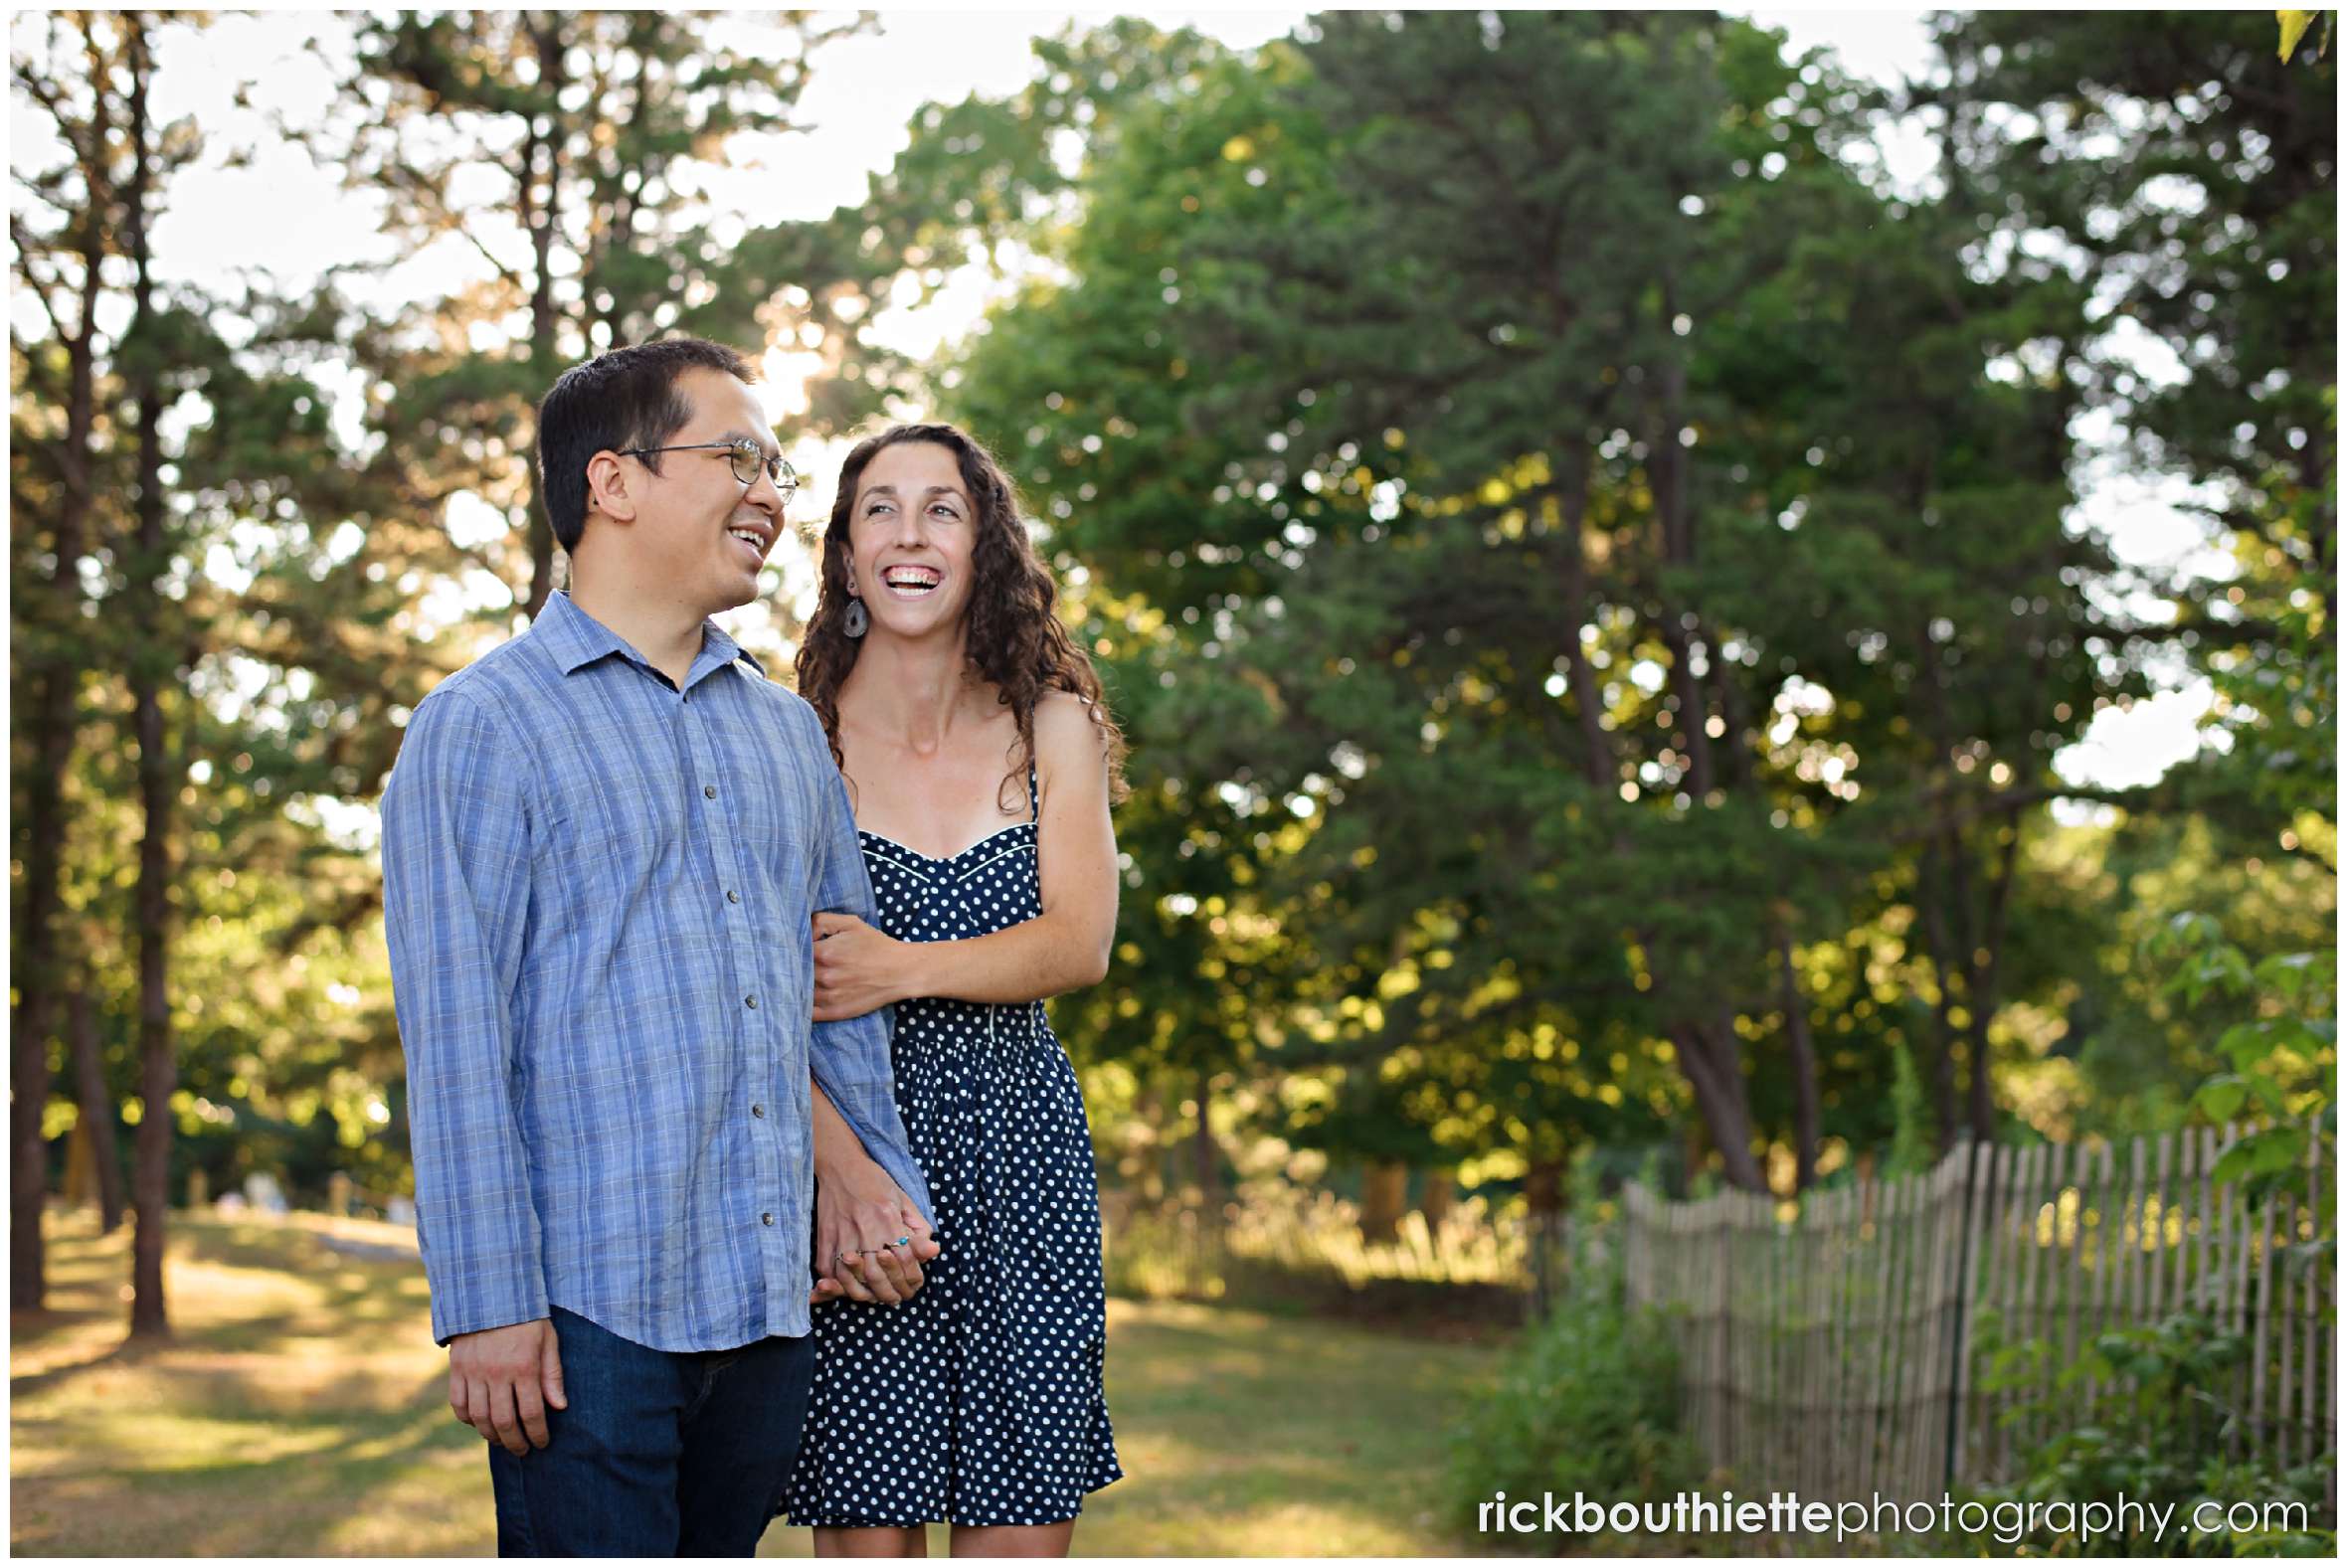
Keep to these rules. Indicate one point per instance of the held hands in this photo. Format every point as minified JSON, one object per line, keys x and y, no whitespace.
{"x":856,"y":969}
{"x":501,"y":1381}
{"x":859,"y":1216}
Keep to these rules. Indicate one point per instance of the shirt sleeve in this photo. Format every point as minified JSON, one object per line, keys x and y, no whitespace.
{"x":456,"y":898}
{"x":850,"y":1056}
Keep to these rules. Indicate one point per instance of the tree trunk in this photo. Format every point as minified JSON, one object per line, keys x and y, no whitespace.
{"x":1436,"y":1199}
{"x":1980,"y":1104}
{"x":96,"y":1122}
{"x":34,"y":966}
{"x":1713,"y":1071}
{"x":1544,"y":1189}
{"x":151,"y":663}
{"x":1931,"y":916}
{"x":28,"y":1281}
{"x":1597,"y":760}
{"x":80,"y":1182}
{"x":1544,"y":1196}
{"x":1148,"y":1112}
{"x":1206,"y":1156}
{"x":56,"y":687}
{"x":1710,"y":1057}
{"x":1384,"y":1189}
{"x":1804,"y":1054}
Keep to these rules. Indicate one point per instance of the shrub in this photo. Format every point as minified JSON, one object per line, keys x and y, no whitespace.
{"x":1587,"y":1402}
{"x":2155,"y":1434}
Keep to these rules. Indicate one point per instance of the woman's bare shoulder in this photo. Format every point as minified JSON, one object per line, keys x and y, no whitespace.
{"x":1064,"y":727}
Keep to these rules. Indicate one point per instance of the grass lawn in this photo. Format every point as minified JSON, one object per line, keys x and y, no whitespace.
{"x":300,"y":1408}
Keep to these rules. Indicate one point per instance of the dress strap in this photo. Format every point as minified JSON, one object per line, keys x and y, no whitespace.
{"x":1034,"y":796}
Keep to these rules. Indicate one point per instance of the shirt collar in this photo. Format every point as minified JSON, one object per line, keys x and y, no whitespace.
{"x":577,"y":639}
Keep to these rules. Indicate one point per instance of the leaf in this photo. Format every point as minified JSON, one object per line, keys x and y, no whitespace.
{"x":2278,"y":1150}
{"x":2286,"y":973}
{"x":2244,"y":1044}
{"x":2268,"y":1094}
{"x":2294,"y":28}
{"x":2221,"y":1098}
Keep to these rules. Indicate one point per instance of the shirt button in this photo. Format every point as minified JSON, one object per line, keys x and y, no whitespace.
{"x":709,"y":792}
{"x":748,"y":1001}
{"x":758,"y":1111}
{"x":766,"y":1219}
{"x":731,"y":897}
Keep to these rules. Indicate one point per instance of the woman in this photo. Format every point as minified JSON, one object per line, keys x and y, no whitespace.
{"x":980,"y":763}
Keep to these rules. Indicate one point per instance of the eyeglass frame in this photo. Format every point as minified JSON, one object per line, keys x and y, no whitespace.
{"x":785,"y":482}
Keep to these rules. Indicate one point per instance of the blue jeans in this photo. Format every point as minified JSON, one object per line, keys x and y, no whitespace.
{"x":660,"y":1454}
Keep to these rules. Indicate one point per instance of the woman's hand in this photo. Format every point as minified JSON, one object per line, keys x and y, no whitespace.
{"x":860,"y":1215}
{"x":857,"y":968}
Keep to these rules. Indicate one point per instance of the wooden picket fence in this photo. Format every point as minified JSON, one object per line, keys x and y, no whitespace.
{"x":1829,"y":1347}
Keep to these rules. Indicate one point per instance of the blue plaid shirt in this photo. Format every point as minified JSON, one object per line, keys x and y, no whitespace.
{"x":597,"y":891}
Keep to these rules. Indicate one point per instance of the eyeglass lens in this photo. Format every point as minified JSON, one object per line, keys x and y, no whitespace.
{"x":748,"y":460}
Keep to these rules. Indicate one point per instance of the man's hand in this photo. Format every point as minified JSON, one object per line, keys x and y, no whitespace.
{"x":857,"y":968}
{"x":501,"y":1381}
{"x":859,"y":1214}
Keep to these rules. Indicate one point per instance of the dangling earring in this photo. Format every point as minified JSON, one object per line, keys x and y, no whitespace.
{"x":856,"y":622}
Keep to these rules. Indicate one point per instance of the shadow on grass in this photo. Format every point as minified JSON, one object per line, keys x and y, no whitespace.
{"x":414,"y":1483}
{"x":128,"y":1352}
{"x":301,"y":1409}
{"x":245,"y":1299}
{"x":1261,"y":1435}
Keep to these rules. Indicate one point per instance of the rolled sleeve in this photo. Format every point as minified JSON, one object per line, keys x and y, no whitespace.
{"x":455,"y":899}
{"x":850,"y":1056}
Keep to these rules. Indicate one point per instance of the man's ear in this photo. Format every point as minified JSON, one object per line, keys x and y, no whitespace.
{"x":607,"y":488}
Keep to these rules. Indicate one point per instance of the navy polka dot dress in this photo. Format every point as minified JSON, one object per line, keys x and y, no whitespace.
{"x":979,"y":1400}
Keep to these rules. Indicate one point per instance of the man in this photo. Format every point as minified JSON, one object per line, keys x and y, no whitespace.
{"x":602,"y":845}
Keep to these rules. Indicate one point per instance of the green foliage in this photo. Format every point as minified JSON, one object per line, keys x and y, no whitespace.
{"x":1419,"y":563}
{"x":1550,"y":517}
{"x":560,"y":148}
{"x":2284,"y":1058}
{"x":2141,"y":1413}
{"x":1912,"y":1146}
{"x":1589,"y":1402}
{"x":2195,"y":229}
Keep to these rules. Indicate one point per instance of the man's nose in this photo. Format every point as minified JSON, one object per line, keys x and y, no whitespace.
{"x":764,"y":494}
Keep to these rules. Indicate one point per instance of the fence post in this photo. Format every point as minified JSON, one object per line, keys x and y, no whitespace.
{"x":1963,"y":1301}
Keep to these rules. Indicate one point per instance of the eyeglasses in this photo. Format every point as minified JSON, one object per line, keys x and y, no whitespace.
{"x":747,"y":459}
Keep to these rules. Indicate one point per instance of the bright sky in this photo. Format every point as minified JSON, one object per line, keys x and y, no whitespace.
{"x":282,"y":213}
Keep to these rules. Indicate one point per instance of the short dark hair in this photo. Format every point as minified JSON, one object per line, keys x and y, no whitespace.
{"x":622,"y":398}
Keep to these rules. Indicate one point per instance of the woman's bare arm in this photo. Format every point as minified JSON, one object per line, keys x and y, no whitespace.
{"x":1065,"y":948}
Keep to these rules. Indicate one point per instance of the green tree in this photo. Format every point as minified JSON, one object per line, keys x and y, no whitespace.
{"x":185,"y":516}
{"x":1349,"y":548}
{"x":58,"y":231}
{"x":561,"y":146}
{"x":2190,"y":177}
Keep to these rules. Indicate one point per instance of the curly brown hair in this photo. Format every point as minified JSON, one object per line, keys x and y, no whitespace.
{"x":1016,"y":642}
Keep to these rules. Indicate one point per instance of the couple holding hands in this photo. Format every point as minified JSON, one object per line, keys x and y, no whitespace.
{"x":750,"y":1177}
